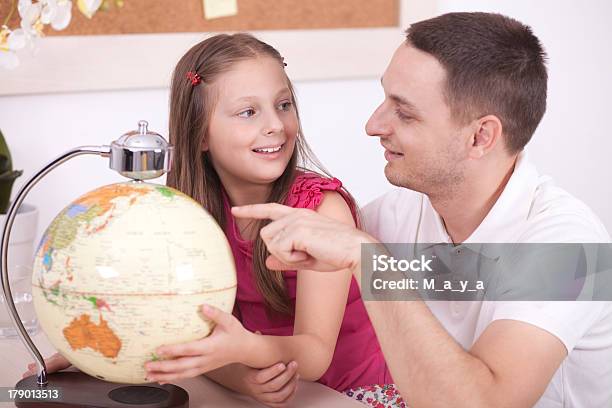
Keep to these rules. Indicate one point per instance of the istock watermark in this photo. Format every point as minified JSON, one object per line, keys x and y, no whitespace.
{"x":487,"y":271}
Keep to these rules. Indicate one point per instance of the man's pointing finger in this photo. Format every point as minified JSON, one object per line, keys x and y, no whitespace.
{"x":271,"y":211}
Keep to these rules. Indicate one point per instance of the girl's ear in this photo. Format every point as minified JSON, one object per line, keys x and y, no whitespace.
{"x":204,"y":145}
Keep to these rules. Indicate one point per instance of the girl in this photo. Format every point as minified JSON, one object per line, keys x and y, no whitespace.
{"x":238,"y":141}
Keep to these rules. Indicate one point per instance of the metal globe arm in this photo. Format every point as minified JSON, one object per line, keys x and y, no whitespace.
{"x":140,"y":155}
{"x":103,"y":151}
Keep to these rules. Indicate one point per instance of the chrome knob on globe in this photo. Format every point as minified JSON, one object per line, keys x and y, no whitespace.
{"x":110,"y":286}
{"x":141,"y":154}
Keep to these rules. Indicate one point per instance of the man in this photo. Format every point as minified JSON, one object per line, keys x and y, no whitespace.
{"x":463,"y":96}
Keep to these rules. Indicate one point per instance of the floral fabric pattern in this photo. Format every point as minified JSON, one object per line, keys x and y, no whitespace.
{"x":377,"y":396}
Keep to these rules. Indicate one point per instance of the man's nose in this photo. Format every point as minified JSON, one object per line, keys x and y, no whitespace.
{"x":377,"y":124}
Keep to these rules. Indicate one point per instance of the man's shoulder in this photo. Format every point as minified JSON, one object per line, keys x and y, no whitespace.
{"x":556,"y":215}
{"x":397,"y":196}
{"x":394,"y":209}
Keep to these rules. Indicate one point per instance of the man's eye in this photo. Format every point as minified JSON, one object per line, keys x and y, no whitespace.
{"x":247,"y":113}
{"x":402,"y":116}
{"x":285,"y":106}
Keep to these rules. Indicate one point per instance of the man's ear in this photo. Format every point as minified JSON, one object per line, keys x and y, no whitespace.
{"x":486,"y":135}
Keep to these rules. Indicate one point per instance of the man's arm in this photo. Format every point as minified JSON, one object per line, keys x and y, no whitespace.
{"x":509,"y":365}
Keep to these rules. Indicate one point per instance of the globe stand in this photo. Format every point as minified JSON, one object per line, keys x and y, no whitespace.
{"x":77,"y":389}
{"x":139,"y":155}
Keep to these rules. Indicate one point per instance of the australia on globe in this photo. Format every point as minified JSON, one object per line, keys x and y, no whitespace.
{"x":123,"y":270}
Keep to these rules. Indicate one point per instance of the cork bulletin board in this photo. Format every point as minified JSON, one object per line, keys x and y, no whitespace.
{"x":137,"y":46}
{"x":173,"y":16}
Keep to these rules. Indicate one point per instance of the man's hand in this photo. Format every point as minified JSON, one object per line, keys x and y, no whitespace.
{"x":304,"y":239}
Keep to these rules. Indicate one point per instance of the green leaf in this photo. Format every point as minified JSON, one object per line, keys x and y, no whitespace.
{"x":10,"y":175}
{"x":7,"y":175}
{"x":4,"y":151}
{"x":5,"y":164}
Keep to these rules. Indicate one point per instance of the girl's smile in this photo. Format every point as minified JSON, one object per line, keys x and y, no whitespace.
{"x":269,"y":152}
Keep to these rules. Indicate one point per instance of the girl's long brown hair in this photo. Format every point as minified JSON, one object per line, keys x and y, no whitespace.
{"x":191,"y":108}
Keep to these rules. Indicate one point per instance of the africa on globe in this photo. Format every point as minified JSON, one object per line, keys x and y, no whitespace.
{"x":123,"y":270}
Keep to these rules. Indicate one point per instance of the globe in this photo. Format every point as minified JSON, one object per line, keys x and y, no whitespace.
{"x":123,"y":270}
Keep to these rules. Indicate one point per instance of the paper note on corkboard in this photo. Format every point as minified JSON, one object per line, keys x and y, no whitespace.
{"x":220,"y":8}
{"x":172,"y":16}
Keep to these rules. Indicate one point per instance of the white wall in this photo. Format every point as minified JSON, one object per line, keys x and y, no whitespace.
{"x":574,"y":141}
{"x":572,"y":144}
{"x":39,"y":128}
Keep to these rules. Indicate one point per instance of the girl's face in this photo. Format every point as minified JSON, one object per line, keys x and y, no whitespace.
{"x":253,"y":127}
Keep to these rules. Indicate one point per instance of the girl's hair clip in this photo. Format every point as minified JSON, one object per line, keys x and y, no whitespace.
{"x":194,"y":77}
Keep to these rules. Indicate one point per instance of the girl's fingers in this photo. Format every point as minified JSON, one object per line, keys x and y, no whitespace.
{"x":173,"y":366}
{"x":169,"y":377}
{"x":193,"y":348}
{"x":281,"y":380}
{"x":283,"y":396}
{"x":266,"y":374}
{"x":288,"y":391}
{"x":54,"y":363}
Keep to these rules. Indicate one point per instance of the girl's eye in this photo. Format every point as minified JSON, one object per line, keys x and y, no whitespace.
{"x":247,"y":113}
{"x":402,"y":116}
{"x":285,"y":106}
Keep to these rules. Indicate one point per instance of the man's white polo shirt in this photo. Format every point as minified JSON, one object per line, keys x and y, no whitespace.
{"x":531,"y":209}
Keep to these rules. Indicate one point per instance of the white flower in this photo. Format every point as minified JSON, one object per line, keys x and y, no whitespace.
{"x":29,"y":12}
{"x":31,"y":23}
{"x":35,"y":15}
{"x":89,"y":7}
{"x":16,"y":40}
{"x":49,"y":10}
{"x":63,"y":15}
{"x":10,"y":42}
{"x":57,"y":13}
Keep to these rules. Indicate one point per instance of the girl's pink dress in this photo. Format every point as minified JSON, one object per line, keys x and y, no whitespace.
{"x":358,"y":359}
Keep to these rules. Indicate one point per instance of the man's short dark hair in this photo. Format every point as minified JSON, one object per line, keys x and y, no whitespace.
{"x":494,"y":65}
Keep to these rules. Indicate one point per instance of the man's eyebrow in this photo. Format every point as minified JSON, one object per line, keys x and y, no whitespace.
{"x":400,"y":100}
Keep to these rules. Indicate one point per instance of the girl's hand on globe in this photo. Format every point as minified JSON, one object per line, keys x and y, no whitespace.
{"x":54,"y":363}
{"x":225,"y":345}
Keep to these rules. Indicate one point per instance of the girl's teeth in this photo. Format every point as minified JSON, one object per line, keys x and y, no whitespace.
{"x":268,"y":150}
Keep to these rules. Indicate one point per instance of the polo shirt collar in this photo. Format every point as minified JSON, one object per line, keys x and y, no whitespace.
{"x":504,"y":221}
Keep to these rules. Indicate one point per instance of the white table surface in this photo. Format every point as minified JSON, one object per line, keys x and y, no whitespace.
{"x":203,"y":393}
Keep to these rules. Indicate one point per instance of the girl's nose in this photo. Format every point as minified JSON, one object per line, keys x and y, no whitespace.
{"x":274,"y":125}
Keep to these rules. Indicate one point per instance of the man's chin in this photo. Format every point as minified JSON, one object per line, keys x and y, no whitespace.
{"x":392,"y":176}
{"x":399,"y":180}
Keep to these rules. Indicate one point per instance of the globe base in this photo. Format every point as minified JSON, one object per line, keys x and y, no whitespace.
{"x":71,"y":389}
